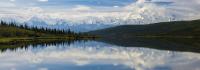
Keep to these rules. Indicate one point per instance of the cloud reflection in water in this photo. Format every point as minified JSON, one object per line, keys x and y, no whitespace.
{"x":95,"y":55}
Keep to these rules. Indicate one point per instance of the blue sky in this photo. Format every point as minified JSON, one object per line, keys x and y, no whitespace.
{"x":68,"y":3}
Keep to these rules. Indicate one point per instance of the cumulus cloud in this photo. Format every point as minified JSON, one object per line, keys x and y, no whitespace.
{"x":179,"y":9}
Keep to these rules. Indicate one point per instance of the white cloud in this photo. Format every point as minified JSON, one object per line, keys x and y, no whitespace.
{"x":43,"y":0}
{"x":82,"y":8}
{"x":179,"y":9}
{"x":116,"y":6}
{"x":141,"y":1}
{"x":12,"y":0}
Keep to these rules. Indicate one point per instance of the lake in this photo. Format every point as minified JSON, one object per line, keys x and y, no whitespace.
{"x":98,"y":55}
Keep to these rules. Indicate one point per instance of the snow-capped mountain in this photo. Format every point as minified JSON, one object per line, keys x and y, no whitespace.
{"x":87,"y":23}
{"x":144,"y":13}
{"x":82,"y":26}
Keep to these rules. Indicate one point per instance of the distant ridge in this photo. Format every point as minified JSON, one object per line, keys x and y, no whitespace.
{"x":167,"y":29}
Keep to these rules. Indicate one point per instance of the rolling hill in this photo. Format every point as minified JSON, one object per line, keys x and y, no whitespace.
{"x":14,"y":30}
{"x":174,"y":36}
{"x":8,"y":31}
{"x":13,"y":34}
{"x":163,"y":29}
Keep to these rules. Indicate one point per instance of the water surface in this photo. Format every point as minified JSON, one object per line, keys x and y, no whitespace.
{"x":93,"y":55}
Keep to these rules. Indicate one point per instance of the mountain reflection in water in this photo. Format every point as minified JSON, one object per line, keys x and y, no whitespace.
{"x":92,"y":55}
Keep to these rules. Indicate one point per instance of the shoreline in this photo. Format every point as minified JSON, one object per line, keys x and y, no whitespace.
{"x":15,"y":40}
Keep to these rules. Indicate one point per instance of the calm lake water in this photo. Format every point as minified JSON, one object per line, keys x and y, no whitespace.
{"x":93,"y":55}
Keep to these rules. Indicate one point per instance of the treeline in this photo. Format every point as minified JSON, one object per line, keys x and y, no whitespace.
{"x":37,"y":29}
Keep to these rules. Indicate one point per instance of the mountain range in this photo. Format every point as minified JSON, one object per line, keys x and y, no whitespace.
{"x":81,"y":26}
{"x":174,"y":36}
{"x":91,"y":22}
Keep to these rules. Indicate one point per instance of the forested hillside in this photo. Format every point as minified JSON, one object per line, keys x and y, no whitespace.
{"x":170,"y":29}
{"x":13,"y":30}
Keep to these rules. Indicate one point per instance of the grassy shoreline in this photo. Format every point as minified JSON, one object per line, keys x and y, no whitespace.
{"x":16,"y":42}
{"x":13,"y":40}
{"x":10,"y":40}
